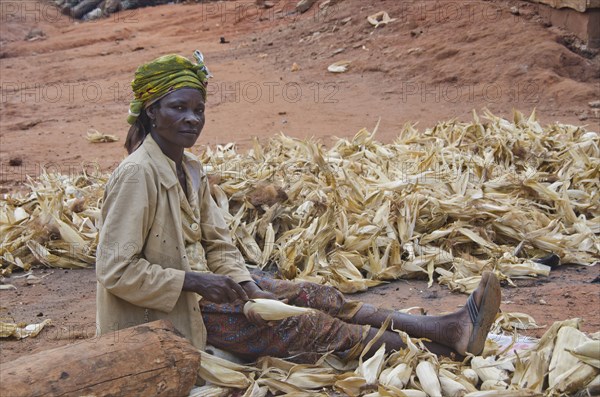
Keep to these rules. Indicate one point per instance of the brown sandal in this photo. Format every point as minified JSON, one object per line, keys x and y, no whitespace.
{"x":483,"y":316}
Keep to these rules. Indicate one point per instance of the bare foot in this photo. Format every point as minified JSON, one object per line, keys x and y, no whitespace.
{"x":476,"y":325}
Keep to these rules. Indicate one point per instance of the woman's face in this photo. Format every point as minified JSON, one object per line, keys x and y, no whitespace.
{"x":178,"y":120}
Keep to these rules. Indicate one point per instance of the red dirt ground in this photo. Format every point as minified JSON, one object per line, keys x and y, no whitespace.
{"x":438,"y":60}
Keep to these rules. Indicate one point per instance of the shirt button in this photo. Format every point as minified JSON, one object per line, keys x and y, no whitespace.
{"x":194,"y":226}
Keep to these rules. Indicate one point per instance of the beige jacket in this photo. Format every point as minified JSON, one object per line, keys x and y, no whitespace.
{"x":141,"y":258}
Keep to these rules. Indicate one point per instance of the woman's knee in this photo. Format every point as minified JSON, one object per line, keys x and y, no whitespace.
{"x":323,"y":297}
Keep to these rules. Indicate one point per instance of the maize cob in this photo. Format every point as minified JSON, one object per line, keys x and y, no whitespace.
{"x":471,"y":376}
{"x":491,"y":384}
{"x":504,"y":393}
{"x":487,"y":369}
{"x":452,"y":388}
{"x":371,"y":368}
{"x":459,"y":378}
{"x":397,"y":377}
{"x":413,"y":393}
{"x":429,"y":379}
{"x":272,"y":310}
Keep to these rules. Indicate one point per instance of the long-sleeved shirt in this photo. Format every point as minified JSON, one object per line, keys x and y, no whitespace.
{"x":142,"y":257}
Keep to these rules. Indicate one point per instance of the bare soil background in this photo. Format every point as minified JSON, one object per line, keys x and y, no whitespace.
{"x":436,"y":61}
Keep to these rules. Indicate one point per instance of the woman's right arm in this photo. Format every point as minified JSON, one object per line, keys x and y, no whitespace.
{"x":214,"y":287}
{"x":128,"y":212}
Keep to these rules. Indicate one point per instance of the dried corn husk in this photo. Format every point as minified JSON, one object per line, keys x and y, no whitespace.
{"x":380,"y":18}
{"x":22,"y":331}
{"x":567,"y":372}
{"x":307,"y":377}
{"x":210,"y":391}
{"x":371,"y":368}
{"x":593,"y":388}
{"x":339,"y":67}
{"x":224,"y":373}
{"x":588,"y":352}
{"x":95,"y":136}
{"x":514,"y":320}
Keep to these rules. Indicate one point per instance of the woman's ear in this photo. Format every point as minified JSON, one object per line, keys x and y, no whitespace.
{"x":151,"y":112}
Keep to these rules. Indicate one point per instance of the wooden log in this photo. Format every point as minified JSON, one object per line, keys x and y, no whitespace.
{"x":147,"y":360}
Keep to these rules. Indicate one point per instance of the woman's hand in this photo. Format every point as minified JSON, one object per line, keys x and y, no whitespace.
{"x":214,"y":287}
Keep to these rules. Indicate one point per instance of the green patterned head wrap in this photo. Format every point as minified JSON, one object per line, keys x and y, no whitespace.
{"x":163,"y":75}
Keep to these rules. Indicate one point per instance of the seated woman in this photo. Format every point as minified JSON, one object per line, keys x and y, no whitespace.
{"x":165,"y":251}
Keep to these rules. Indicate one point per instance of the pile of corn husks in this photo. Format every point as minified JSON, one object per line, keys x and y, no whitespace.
{"x":454,"y":200}
{"x":564,"y":361}
{"x":55,"y":225}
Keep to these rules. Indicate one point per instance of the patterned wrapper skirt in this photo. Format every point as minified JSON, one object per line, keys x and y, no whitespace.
{"x":302,"y":338}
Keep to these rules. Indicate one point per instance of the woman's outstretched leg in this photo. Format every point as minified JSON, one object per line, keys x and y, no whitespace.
{"x":302,"y":338}
{"x":463,"y":331}
{"x":393,"y":341}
